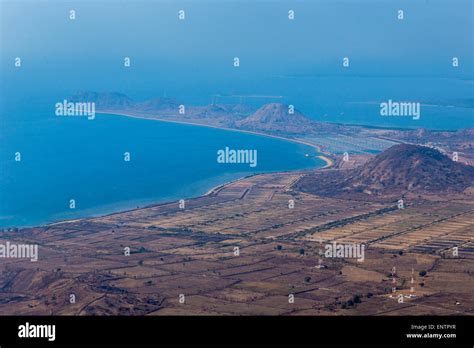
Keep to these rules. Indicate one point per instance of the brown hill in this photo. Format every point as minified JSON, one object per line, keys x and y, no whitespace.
{"x":275,"y":117}
{"x":399,"y":170}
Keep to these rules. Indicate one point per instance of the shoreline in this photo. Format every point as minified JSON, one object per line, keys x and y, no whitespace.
{"x":323,"y":156}
{"x":213,"y":190}
{"x":327,"y":159}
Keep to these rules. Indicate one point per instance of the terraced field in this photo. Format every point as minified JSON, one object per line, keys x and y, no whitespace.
{"x":245,"y":249}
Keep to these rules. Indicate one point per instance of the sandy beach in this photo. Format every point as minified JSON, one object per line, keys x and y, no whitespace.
{"x":327,"y":159}
{"x":329,"y":163}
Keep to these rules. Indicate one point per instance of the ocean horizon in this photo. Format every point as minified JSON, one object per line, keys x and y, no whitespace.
{"x":49,"y":57}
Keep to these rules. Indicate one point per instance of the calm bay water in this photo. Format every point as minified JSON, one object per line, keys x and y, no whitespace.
{"x":74,"y":158}
{"x":192,"y":60}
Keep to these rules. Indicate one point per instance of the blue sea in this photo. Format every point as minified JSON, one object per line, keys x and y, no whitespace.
{"x":64,"y":158}
{"x":295,"y":62}
{"x":75,"y":158}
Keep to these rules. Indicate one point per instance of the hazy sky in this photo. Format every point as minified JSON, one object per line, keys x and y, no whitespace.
{"x":257,"y":31}
{"x":202,"y":47}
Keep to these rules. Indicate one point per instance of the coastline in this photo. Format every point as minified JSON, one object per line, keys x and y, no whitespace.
{"x":213,"y":190}
{"x":328,"y":163}
{"x":327,"y":159}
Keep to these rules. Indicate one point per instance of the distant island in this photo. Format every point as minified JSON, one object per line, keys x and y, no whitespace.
{"x":285,"y":121}
{"x":403,"y":199}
